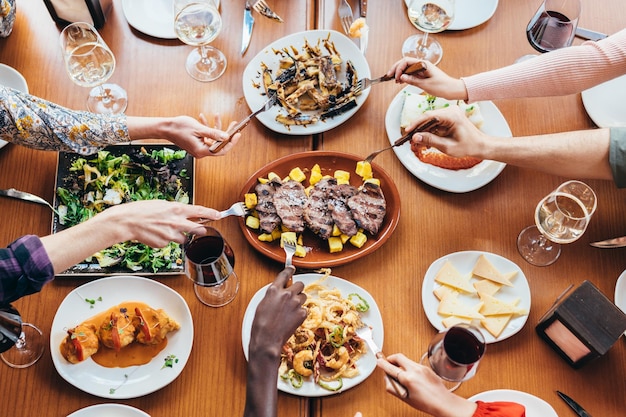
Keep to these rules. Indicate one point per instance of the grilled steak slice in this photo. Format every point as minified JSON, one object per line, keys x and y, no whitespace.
{"x":316,"y":213}
{"x":268,"y":218}
{"x":339,"y":210}
{"x":289,"y":201}
{"x":368,"y":207}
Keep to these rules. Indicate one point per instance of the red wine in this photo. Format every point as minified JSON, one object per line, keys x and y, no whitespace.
{"x":212,"y":260}
{"x":550,"y":30}
{"x":462,"y":346}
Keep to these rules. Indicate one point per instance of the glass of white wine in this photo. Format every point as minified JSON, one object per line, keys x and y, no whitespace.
{"x":90,"y":63}
{"x":429,"y":16}
{"x":561,"y":217}
{"x":197,"y":23}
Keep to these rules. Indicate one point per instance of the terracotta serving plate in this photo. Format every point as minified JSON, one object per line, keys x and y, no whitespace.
{"x":319,"y":255}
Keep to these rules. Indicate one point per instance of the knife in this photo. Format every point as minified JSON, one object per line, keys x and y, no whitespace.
{"x":589,"y":34}
{"x":248,"y":24}
{"x":22,"y":195}
{"x":366,"y":29}
{"x":618,"y":242}
{"x":574,"y":405}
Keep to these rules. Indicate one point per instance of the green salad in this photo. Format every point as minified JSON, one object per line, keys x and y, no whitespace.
{"x":95,"y":183}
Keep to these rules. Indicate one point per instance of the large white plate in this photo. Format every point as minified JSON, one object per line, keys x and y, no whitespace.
{"x":464,"y":262}
{"x":470,"y":13}
{"x":255,"y":96}
{"x":109,"y":410}
{"x":535,"y":406}
{"x":604,"y":103}
{"x":456,"y":181}
{"x":152,"y":17}
{"x":620,"y":292}
{"x":133,"y":381}
{"x":10,"y":77}
{"x":372,"y":317}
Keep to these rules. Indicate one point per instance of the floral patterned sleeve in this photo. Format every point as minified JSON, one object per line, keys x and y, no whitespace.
{"x":36,"y":123}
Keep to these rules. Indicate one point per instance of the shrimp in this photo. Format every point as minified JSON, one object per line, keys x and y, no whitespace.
{"x":303,"y":338}
{"x":314,"y":318}
{"x":338,"y":359}
{"x":299,"y":361}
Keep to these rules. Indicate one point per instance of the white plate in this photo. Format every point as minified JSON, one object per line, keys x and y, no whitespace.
{"x":252,"y":75}
{"x":535,"y":406}
{"x":464,"y":262}
{"x":372,"y":317}
{"x":152,"y":17}
{"x":620,"y":292}
{"x":10,"y":77}
{"x":456,"y":181}
{"x":133,"y":381}
{"x":470,"y":13}
{"x":604,"y":103}
{"x":109,"y":410}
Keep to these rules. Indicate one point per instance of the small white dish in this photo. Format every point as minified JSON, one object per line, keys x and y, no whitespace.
{"x":620,"y":292}
{"x":372,"y":317}
{"x":109,"y":410}
{"x":470,"y":13}
{"x":152,"y":17}
{"x":604,"y":103}
{"x":10,"y":77}
{"x":134,"y":381}
{"x":464,"y":262}
{"x":535,"y":406}
{"x":455,"y":181}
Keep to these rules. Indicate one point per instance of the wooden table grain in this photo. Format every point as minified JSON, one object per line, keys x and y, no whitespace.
{"x":433,"y":223}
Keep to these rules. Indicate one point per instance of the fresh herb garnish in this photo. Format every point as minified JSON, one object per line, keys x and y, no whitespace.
{"x":92,"y":301}
{"x":170,"y":360}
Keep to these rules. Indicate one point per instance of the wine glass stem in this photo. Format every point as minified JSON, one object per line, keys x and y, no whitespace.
{"x":204,"y":54}
{"x":105,"y":96}
{"x":424,"y":41}
{"x":21,"y":341}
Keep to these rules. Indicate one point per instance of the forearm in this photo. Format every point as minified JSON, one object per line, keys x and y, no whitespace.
{"x":261,"y":392}
{"x":149,"y":127}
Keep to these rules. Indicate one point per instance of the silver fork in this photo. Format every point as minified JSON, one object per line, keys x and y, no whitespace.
{"x":421,"y":128}
{"x":290,"y":249}
{"x":237,"y":209}
{"x":216,"y":147}
{"x":365,"y":83}
{"x":261,"y":7}
{"x":345,"y":15}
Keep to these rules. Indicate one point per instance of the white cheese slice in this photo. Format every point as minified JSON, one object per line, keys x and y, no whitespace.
{"x":449,"y":275}
{"x":496,"y":324}
{"x":487,"y":286}
{"x":454,"y":320}
{"x":452,"y":306}
{"x":485,"y":269}
{"x":494,"y":306}
{"x":443,"y":290}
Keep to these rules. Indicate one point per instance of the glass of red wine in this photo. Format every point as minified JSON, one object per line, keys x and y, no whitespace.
{"x":454,"y":354}
{"x":21,"y":344}
{"x":553,"y":26}
{"x":209,"y":262}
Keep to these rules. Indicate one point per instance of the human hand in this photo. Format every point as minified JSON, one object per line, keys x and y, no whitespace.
{"x":426,"y":390}
{"x":196,"y":137}
{"x":454,"y":134}
{"x":433,"y":80}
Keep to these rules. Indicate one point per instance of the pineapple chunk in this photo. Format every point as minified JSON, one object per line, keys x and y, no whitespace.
{"x":359,"y":239}
{"x":287,"y":236}
{"x":273,"y":175}
{"x":296,"y":174}
{"x":300,"y":251}
{"x":364,"y":170}
{"x":344,"y":238}
{"x":266,"y":237}
{"x":336,"y":231}
{"x":373,"y":181}
{"x":276,"y":234}
{"x":250,"y":200}
{"x":253,"y":222}
{"x":334,"y":244}
{"x":262,"y":180}
{"x":316,"y":174}
{"x":343,"y":177}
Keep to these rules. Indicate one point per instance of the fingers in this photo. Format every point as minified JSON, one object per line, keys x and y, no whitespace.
{"x":284,"y":277}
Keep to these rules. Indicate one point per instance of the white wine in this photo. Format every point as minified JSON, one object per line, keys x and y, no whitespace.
{"x":430,"y":16}
{"x":561,"y":217}
{"x":90,"y":64}
{"x":198,"y":24}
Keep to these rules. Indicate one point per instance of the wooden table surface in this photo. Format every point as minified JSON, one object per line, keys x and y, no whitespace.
{"x":433,"y":223}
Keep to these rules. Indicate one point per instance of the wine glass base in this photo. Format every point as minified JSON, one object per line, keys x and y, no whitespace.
{"x":536,"y":249}
{"x":219,"y":295}
{"x":107,"y":99}
{"x":430,"y":51}
{"x":28,"y":348}
{"x":450,"y":385}
{"x":206,"y":69}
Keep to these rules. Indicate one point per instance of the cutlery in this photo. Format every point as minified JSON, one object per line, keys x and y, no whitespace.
{"x":365,"y":83}
{"x":290,"y":249}
{"x":365,"y":333}
{"x":248,"y":24}
{"x":216,"y":147}
{"x":345,"y":15}
{"x":574,"y":405}
{"x":618,"y":242}
{"x":237,"y":209}
{"x":262,"y":7}
{"x":22,"y":195}
{"x":366,"y":30}
{"x":589,"y":34}
{"x":421,"y":128}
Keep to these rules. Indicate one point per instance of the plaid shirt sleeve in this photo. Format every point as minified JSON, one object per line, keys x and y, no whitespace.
{"x":24,"y":268}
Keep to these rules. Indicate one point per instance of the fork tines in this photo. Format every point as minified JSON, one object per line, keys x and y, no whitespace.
{"x":261,"y":7}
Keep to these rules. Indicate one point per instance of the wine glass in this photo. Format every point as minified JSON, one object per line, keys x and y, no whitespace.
{"x":197,"y":23}
{"x":209,"y":262}
{"x":21,"y":344}
{"x":553,"y":26}
{"x":429,"y":16}
{"x":454,"y":354}
{"x":560,"y":217}
{"x":90,"y":63}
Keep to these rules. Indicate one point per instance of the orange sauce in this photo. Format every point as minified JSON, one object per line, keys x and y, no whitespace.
{"x":132,"y":355}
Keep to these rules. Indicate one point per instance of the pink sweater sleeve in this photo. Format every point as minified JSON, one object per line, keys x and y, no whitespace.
{"x":560,"y":72}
